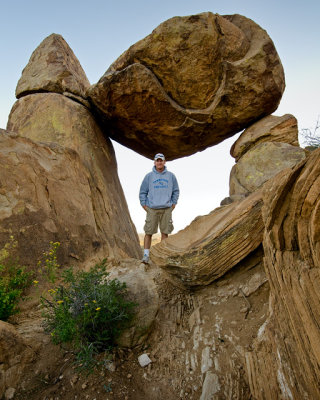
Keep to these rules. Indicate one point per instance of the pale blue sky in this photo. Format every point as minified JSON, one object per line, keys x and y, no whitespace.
{"x":99,"y":31}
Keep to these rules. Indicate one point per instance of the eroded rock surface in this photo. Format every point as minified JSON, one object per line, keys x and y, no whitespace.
{"x":142,"y":290}
{"x":193,"y":82}
{"x":47,"y":194}
{"x":52,"y":118}
{"x":261,"y":163}
{"x":15,"y":354}
{"x":287,"y":348}
{"x":53,"y":67}
{"x":282,"y":129}
{"x":212,"y":244}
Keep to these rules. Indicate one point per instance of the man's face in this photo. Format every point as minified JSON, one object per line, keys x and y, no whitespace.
{"x":159,"y":163}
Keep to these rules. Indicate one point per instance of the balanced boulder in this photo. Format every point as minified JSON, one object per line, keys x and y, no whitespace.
{"x":190,"y":84}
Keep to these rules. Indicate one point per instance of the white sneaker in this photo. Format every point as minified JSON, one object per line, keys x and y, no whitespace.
{"x":145,"y":259}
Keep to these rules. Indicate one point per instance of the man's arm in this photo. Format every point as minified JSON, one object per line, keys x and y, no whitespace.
{"x":144,"y":190}
{"x":175,"y":191}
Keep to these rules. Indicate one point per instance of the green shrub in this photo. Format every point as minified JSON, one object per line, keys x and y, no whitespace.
{"x":13,"y":280}
{"x":88,"y":311}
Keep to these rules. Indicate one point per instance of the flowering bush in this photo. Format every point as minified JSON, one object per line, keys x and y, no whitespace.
{"x":87,"y":310}
{"x":50,"y":266}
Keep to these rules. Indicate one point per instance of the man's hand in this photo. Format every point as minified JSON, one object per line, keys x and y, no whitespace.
{"x":145,"y":207}
{"x":173,"y":206}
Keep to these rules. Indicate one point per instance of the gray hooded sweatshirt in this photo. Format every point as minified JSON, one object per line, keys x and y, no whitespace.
{"x":159,"y":189}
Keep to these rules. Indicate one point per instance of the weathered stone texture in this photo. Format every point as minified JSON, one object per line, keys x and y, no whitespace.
{"x":193,"y":82}
{"x":53,"y":118}
{"x":287,"y":349}
{"x":212,"y":244}
{"x":45,"y":196}
{"x":53,"y":67}
{"x":142,"y":291}
{"x":261,"y":163}
{"x":282,"y":129}
{"x":15,"y":354}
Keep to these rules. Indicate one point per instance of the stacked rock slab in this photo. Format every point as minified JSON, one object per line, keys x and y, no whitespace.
{"x":287,"y":348}
{"x":212,"y":244}
{"x":57,"y":119}
{"x":263,"y":150}
{"x":193,"y":82}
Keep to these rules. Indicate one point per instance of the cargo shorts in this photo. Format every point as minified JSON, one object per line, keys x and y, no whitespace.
{"x":158,"y":217}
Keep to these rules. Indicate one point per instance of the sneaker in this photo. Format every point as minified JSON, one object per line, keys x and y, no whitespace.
{"x":145,"y":259}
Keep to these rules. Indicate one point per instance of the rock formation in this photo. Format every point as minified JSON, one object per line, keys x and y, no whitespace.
{"x":262,"y":150}
{"x":212,"y":244}
{"x":260,"y":164}
{"x":53,"y":67}
{"x":287,"y":348}
{"x":53,"y":118}
{"x":282,"y":129}
{"x":15,"y":354}
{"x":56,"y":119}
{"x":143,"y":291}
{"x":193,"y":82}
{"x":231,"y":319}
{"x":45,"y":195}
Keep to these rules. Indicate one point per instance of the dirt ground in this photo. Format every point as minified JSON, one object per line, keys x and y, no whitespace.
{"x":197,"y":335}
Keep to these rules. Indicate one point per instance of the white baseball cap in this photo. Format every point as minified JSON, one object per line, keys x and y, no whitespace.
{"x":159,"y":155}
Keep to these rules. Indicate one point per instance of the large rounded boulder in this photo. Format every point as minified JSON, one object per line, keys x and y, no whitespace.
{"x":190,"y":84}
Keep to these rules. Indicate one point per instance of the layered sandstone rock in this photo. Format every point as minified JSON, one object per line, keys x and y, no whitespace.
{"x":47,"y":194}
{"x":53,"y":67}
{"x":212,"y":244}
{"x":287,"y":348}
{"x":261,"y":163}
{"x":193,"y":82}
{"x":282,"y":129}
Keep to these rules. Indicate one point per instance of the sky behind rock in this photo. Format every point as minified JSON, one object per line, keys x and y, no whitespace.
{"x":99,"y":31}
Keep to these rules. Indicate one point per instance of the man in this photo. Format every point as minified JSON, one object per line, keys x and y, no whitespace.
{"x":159,"y":193}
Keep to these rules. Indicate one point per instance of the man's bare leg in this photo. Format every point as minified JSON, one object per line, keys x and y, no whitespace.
{"x":163,"y":236}
{"x":146,"y":250}
{"x":147,"y":241}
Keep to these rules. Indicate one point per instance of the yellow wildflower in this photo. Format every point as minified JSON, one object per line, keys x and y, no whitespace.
{"x":98,"y":308}
{"x":60,"y":301}
{"x":35,"y":282}
{"x":93,"y":301}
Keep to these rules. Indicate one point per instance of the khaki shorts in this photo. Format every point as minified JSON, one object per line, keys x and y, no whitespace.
{"x":158,"y":217}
